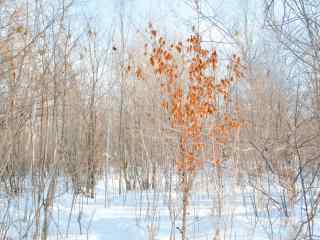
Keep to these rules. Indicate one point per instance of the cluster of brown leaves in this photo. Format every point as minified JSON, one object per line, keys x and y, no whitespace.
{"x":192,"y":93}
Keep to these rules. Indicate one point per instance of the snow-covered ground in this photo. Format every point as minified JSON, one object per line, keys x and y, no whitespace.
{"x":152,"y":214}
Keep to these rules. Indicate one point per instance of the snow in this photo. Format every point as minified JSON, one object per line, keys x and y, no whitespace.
{"x":150,"y":215}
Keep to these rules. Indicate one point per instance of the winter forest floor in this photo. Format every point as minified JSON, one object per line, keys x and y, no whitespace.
{"x":235,"y":211}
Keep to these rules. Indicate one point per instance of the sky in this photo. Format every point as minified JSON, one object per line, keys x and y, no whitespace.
{"x":169,"y":15}
{"x":174,"y":19}
{"x":138,"y":13}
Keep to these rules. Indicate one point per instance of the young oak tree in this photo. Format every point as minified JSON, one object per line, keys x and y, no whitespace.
{"x":198,"y":103}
